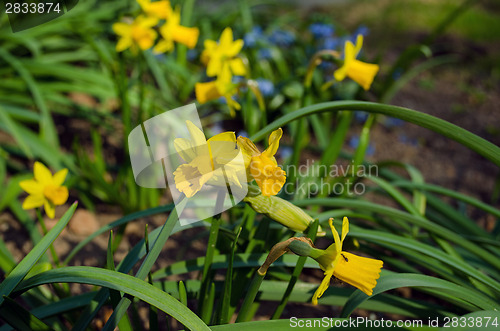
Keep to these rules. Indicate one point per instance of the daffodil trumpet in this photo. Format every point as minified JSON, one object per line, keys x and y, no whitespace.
{"x":361,"y":72}
{"x":358,"y":271}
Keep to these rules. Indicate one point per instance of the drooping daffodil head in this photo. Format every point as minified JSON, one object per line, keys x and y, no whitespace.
{"x":172,"y":31}
{"x":45,"y":189}
{"x":360,"y":272}
{"x":262,"y":166}
{"x":138,"y":33}
{"x":214,"y":161}
{"x":361,"y":72}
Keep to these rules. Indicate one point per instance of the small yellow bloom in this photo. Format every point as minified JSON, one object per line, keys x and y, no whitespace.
{"x":211,"y":162}
{"x":219,"y":56}
{"x":138,"y":33}
{"x":361,"y":272}
{"x":172,"y":31}
{"x":158,"y":9}
{"x":45,"y":190}
{"x":221,"y":87}
{"x":262,"y":166}
{"x":360,"y":72}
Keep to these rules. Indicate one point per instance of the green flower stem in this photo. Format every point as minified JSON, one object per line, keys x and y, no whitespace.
{"x":364,"y":141}
{"x":244,"y":313}
{"x":187,"y":11}
{"x":447,"y":129}
{"x":311,"y":233}
{"x":205,"y":312}
{"x":44,"y":232}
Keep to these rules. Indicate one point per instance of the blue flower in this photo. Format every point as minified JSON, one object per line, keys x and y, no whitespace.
{"x":191,"y":54}
{"x":282,"y":38}
{"x":408,"y":141}
{"x":360,"y":116}
{"x":251,"y":38}
{"x":266,"y":87}
{"x":321,"y":30}
{"x":392,"y":122}
{"x":264,"y":54}
{"x":284,"y":152}
{"x":362,"y":30}
{"x":331,"y":43}
{"x":398,"y":72}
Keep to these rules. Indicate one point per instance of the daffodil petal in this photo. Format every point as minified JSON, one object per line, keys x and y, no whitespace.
{"x":186,"y":36}
{"x":247,"y":146}
{"x":123,"y":44}
{"x":59,"y":177}
{"x":206,"y":91}
{"x":163,"y":46}
{"x":122,"y":29}
{"x":322,"y":287}
{"x":274,"y":142}
{"x":42,"y":174}
{"x":33,"y":201}
{"x":336,"y":238}
{"x":49,"y":208}
{"x":31,"y":186}
{"x":359,"y":44}
{"x":345,"y":229}
{"x":198,"y":140}
{"x":184,"y":149}
{"x":238,"y":67}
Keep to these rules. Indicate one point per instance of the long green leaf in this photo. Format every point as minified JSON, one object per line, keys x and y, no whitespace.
{"x":18,"y":317}
{"x":389,"y":282}
{"x":119,"y":282}
{"x":464,"y":137}
{"x":22,"y":269}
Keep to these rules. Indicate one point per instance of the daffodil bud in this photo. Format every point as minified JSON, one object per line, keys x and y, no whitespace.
{"x":280,"y":210}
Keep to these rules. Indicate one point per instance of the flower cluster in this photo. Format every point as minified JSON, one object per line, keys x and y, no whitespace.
{"x":140,"y":32}
{"x":222,"y":61}
{"x":213,"y":162}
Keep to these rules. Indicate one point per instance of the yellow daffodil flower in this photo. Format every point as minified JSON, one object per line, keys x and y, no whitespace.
{"x":221,"y":87}
{"x":172,"y":31}
{"x":219,"y":56}
{"x":158,"y":9}
{"x":45,"y":190}
{"x":138,"y":33}
{"x":361,"y":72}
{"x":361,"y":272}
{"x":211,"y":162}
{"x":262,"y":166}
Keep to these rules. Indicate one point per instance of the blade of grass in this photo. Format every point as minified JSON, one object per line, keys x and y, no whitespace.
{"x":119,"y":282}
{"x":23,"y":267}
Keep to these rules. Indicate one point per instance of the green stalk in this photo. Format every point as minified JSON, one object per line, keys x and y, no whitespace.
{"x":245,"y":311}
{"x":153,"y":311}
{"x":187,"y":12}
{"x":311,"y":233}
{"x":44,"y":232}
{"x":205,"y":312}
